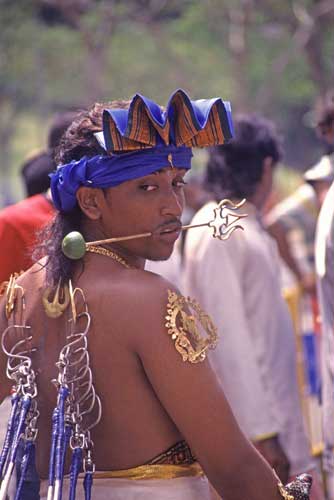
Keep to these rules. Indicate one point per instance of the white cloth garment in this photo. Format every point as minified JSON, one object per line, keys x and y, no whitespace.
{"x":324,"y":260}
{"x":169,"y":269}
{"x":237,"y":283}
{"x":184,"y":488}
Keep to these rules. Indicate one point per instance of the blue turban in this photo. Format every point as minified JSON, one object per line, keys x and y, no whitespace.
{"x":148,"y":139}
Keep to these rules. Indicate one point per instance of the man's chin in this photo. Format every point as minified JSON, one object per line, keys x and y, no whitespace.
{"x":160,"y":258}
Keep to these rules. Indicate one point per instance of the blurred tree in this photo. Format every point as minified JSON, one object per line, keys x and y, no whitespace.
{"x":272,"y":57}
{"x":307,"y":25}
{"x":15,"y":67}
{"x":280,"y":56}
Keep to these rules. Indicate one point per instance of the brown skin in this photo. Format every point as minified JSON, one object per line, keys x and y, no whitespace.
{"x":151,"y":398}
{"x":273,"y":452}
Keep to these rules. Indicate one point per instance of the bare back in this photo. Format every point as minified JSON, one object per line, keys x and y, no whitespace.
{"x":150,"y":397}
{"x":134,"y":427}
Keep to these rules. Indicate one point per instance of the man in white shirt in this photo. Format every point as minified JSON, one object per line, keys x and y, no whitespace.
{"x":237,"y":281}
{"x":324,"y":260}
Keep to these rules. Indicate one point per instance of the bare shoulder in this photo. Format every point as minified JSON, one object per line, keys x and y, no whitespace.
{"x":149,"y":304}
{"x":135,"y":290}
{"x":152,"y":287}
{"x":145,"y":296}
{"x":162,"y":321}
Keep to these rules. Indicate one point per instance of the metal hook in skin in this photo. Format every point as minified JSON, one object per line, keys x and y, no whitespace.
{"x":80,"y":375}
{"x":75,"y":376}
{"x":22,"y":354}
{"x":72,"y":298}
{"x":99,"y":406}
{"x":79,"y":335}
{"x":6,"y":331}
{"x":91,"y":396}
{"x":76,"y":361}
{"x":88,"y":383}
{"x":22,"y":359}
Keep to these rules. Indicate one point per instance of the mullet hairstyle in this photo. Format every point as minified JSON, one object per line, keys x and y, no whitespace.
{"x":78,"y":141}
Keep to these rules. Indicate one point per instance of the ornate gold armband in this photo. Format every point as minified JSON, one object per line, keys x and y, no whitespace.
{"x":193,"y":331}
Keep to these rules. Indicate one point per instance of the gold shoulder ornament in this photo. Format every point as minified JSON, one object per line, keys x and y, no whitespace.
{"x":190,"y":327}
{"x":11,"y":289}
{"x":55,"y":302}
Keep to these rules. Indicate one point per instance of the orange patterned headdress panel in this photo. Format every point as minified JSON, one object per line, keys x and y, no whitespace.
{"x":201,"y":123}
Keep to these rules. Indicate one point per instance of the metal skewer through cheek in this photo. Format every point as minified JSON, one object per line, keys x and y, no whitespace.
{"x":221,"y":225}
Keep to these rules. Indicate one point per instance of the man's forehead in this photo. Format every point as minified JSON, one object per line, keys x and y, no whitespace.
{"x":169,"y":170}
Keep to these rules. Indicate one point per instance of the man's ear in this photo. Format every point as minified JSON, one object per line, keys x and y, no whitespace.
{"x":91,"y":201}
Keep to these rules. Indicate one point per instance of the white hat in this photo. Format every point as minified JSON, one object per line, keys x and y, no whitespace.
{"x":321,"y":171}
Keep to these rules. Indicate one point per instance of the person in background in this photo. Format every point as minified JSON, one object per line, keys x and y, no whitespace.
{"x":324,"y":123}
{"x":20,"y":222}
{"x":324,"y":264}
{"x":324,"y":259}
{"x":320,"y":177}
{"x":292,"y":223}
{"x":238,"y":284}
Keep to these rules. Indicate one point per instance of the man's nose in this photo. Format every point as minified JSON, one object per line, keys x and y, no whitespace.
{"x":172,"y":204}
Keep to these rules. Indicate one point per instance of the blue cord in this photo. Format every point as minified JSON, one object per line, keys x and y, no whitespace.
{"x":20,"y":426}
{"x":76,"y":468}
{"x":54,"y":437}
{"x":11,"y":427}
{"x":67,"y":432}
{"x":88,"y":483}
{"x":28,"y":449}
{"x":61,"y":437}
{"x":28,"y":480}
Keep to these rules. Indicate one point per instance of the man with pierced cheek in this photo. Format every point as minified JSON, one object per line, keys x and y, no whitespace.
{"x":136,"y":406}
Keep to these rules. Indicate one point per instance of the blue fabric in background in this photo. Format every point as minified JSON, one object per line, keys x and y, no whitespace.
{"x":311,"y":363}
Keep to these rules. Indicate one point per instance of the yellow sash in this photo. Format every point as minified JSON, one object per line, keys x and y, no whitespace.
{"x":153,"y":472}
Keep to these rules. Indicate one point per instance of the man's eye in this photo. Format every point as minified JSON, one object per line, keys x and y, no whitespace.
{"x":148,"y":187}
{"x":179,"y":183}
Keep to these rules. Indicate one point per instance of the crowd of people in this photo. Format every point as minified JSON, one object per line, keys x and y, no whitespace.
{"x":187,"y":385}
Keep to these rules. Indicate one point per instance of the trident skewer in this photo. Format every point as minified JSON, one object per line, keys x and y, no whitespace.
{"x":223,"y":224}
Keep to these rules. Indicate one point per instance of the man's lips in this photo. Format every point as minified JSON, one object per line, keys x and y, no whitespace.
{"x":175,"y":228}
{"x":165,"y":229}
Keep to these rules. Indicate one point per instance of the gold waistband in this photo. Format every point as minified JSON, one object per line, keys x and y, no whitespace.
{"x":153,"y":472}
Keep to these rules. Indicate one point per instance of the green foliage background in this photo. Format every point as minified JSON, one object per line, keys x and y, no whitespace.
{"x":275,"y":58}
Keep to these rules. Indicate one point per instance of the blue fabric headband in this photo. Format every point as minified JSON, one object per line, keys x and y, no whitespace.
{"x":109,"y":171}
{"x":148,"y":138}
